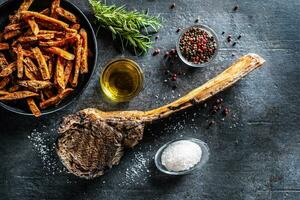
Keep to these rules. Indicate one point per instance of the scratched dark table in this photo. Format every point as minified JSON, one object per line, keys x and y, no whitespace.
{"x":255,"y":151}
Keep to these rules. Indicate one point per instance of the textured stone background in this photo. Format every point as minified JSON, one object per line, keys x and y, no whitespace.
{"x":255,"y":152}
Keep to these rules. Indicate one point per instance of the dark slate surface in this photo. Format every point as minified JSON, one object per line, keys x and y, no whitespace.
{"x":255,"y":152}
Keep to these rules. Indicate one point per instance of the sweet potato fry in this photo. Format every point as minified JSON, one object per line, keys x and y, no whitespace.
{"x":3,"y":92}
{"x":14,"y":27}
{"x":4,"y":46}
{"x":71,"y":31}
{"x":45,"y":18}
{"x":59,"y":73}
{"x":31,"y":66}
{"x":55,"y":4}
{"x":28,"y":74}
{"x":47,"y":26}
{"x":24,"y":6}
{"x":14,"y":88}
{"x":14,"y":45}
{"x":3,"y":61}
{"x":33,"y":26}
{"x":46,"y":11}
{"x":35,"y":84}
{"x":45,"y":36}
{"x":84,"y":55}
{"x":49,"y":102}
{"x":58,"y":43}
{"x":4,"y":82}
{"x":11,"y":34}
{"x":56,"y":33}
{"x":60,"y":52}
{"x":56,"y":99}
{"x":25,"y":39}
{"x":78,"y":49}
{"x":33,"y":107}
{"x":20,"y":58}
{"x":66,"y":14}
{"x":42,"y":63}
{"x":51,"y":67}
{"x":18,"y":95}
{"x":8,"y":70}
{"x":68,"y":71}
{"x":65,"y":93}
{"x":51,"y":43}
{"x":75,"y":26}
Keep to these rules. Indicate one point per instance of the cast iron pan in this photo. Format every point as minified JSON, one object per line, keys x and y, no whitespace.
{"x":8,"y":8}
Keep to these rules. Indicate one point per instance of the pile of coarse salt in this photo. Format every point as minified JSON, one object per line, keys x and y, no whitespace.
{"x":181,"y":155}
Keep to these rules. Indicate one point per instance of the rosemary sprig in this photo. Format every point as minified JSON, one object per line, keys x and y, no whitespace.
{"x":132,"y":27}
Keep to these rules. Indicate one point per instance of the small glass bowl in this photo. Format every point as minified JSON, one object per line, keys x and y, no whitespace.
{"x":200,"y":164}
{"x":112,"y":66}
{"x":211,"y":33}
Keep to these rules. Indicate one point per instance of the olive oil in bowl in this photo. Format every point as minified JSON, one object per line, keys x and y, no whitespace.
{"x":121,"y":80}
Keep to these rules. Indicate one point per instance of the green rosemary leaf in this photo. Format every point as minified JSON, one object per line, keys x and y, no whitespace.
{"x":112,"y":29}
{"x":126,"y":24}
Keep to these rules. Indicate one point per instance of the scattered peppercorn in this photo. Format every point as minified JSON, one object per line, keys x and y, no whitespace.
{"x":210,"y":123}
{"x":172,"y":6}
{"x":220,"y":100}
{"x":167,"y":54}
{"x":178,"y":30}
{"x":197,"y":45}
{"x":156,"y":52}
{"x":232,"y":55}
{"x":156,"y":37}
{"x":239,"y":37}
{"x":225,"y":111}
{"x":197,"y":20}
{"x":233,"y":44}
{"x":235,"y":8}
{"x":174,"y":87}
{"x":173,"y":51}
{"x":229,"y":38}
{"x":174,"y":77}
{"x":214,"y":109}
{"x":167,"y":72}
{"x":223,"y":33}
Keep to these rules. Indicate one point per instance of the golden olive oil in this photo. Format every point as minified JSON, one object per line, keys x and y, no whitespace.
{"x":121,"y":80}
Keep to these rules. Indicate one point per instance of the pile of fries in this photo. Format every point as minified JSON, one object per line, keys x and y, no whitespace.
{"x":42,"y":55}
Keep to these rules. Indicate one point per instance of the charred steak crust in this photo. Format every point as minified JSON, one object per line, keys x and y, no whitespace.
{"x":89,"y":144}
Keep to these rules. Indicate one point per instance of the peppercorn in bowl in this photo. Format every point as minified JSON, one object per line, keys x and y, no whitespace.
{"x":197,"y":46}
